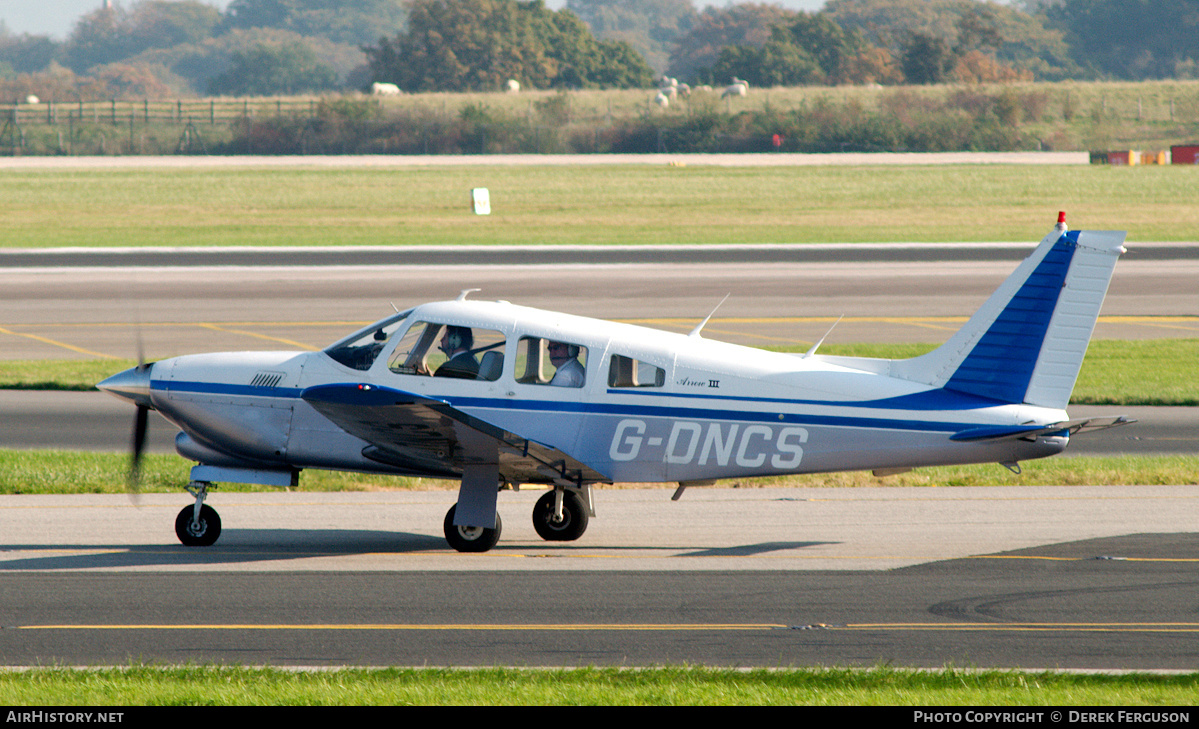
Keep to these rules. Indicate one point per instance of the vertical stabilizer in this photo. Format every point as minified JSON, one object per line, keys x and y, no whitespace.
{"x":1026,"y":343}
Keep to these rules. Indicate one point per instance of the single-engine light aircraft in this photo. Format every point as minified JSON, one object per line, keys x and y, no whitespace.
{"x":497,"y":395}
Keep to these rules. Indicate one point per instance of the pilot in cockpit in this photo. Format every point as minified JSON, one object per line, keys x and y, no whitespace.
{"x":456,"y":344}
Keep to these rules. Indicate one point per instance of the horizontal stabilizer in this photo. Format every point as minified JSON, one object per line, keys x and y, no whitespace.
{"x":1064,"y":427}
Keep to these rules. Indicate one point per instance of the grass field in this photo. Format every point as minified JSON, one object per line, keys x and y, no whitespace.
{"x":661,"y":686}
{"x":607,"y":205}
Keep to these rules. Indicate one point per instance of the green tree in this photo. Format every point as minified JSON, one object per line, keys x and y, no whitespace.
{"x":97,"y":38}
{"x":1130,"y":39}
{"x":777,"y":63}
{"x":809,"y":49}
{"x":356,"y":22}
{"x":927,"y":59}
{"x":746,"y":24}
{"x":930,"y":59}
{"x":1007,"y":34}
{"x":270,"y":70}
{"x":27,"y":53}
{"x":191,"y":67}
{"x":826,"y":42}
{"x":260,"y":13}
{"x":476,"y":45}
{"x":649,"y":26}
{"x":160,"y":24}
{"x":108,"y":35}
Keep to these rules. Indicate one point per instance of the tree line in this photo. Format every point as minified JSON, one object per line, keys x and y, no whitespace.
{"x":156,"y":48}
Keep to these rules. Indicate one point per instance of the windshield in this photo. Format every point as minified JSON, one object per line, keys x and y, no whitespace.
{"x":359,"y":350}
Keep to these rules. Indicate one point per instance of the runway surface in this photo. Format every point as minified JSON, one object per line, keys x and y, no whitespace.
{"x":1058,"y":577}
{"x":89,"y":312}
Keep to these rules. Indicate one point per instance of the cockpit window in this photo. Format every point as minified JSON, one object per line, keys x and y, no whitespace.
{"x":449,"y":350}
{"x":549,"y":362}
{"x":359,"y":350}
{"x":628,"y":372}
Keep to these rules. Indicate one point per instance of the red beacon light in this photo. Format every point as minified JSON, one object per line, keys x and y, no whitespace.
{"x":1061,"y":220}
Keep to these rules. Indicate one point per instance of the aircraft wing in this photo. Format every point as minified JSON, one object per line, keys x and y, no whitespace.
{"x":431,"y":436}
{"x":1064,"y":427}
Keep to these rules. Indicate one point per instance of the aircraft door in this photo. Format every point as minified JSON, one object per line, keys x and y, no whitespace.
{"x":626,"y":434}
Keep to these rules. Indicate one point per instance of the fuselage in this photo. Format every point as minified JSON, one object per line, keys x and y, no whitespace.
{"x":652,"y":406}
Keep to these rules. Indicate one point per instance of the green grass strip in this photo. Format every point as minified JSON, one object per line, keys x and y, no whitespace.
{"x":86,"y":472}
{"x":659,"y":686}
{"x":83,"y":472}
{"x":77,"y":375}
{"x":606,"y":205}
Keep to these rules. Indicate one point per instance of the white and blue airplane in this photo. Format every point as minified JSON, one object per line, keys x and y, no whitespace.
{"x":498,"y":395}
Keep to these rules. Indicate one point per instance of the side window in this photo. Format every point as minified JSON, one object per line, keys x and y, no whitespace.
{"x":628,"y":372}
{"x":449,"y":350}
{"x":548,"y":362}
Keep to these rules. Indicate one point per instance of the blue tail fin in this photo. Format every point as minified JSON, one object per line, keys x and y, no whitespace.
{"x":1026,"y":343}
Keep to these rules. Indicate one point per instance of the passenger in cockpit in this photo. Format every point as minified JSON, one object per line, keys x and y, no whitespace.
{"x":456,"y":343}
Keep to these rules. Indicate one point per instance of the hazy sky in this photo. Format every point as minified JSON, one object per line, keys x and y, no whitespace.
{"x":57,"y":17}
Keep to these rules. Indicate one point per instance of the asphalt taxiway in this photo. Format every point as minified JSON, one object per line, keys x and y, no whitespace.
{"x":1053,"y":577}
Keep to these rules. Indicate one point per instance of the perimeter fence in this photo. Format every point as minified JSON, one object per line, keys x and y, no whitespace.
{"x":133,"y":127}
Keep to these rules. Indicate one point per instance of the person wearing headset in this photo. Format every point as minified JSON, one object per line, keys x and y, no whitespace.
{"x":565,"y":358}
{"x":459,"y":362}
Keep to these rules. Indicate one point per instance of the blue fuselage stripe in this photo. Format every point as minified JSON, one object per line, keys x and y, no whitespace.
{"x":626,"y":409}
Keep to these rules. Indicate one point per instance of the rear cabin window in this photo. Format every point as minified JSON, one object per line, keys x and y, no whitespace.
{"x":628,"y":372}
{"x":449,"y":350}
{"x":541,"y":361}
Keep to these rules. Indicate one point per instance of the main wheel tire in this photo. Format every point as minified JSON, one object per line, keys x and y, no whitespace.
{"x":572,"y":524}
{"x":201,"y":534}
{"x":471,"y":539}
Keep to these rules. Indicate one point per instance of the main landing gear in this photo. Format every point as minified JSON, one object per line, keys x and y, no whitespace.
{"x":471,"y":539}
{"x":560,"y":515}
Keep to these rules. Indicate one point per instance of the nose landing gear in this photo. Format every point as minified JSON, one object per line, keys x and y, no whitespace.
{"x":198,"y":525}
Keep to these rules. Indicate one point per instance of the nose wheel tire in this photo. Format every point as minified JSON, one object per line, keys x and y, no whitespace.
{"x":471,"y":539}
{"x":567,"y":529}
{"x":203,"y":533}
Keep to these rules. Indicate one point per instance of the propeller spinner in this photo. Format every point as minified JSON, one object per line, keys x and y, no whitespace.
{"x":133,"y":385}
